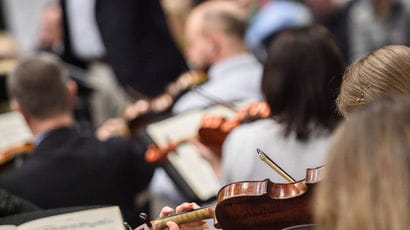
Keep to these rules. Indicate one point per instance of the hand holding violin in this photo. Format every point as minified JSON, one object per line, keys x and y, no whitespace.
{"x":197,"y":225}
{"x":112,"y":127}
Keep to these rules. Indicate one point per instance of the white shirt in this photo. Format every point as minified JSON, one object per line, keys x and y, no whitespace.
{"x":84,"y":34}
{"x":236,"y":79}
{"x":240,"y":160}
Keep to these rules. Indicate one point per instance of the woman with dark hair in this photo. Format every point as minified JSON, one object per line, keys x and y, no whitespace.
{"x":300,"y":83}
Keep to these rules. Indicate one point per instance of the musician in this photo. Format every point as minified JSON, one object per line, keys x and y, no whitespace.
{"x":68,"y":168}
{"x":300,"y":83}
{"x":215,"y":40}
{"x":367,"y":184}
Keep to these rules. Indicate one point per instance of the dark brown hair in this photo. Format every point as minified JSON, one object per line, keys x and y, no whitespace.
{"x":301,"y":80}
{"x":38,"y":84}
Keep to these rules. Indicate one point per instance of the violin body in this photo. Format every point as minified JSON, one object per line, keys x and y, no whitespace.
{"x":256,"y":205}
{"x":262,"y":205}
{"x":214,"y":129}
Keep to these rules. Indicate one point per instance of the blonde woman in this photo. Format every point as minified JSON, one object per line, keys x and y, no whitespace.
{"x":383,"y":72}
{"x":368,"y":170}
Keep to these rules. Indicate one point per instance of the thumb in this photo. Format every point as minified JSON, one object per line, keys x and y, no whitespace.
{"x":172,"y":226}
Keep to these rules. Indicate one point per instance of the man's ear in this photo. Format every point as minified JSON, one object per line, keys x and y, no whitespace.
{"x":214,"y":45}
{"x":72,"y":91}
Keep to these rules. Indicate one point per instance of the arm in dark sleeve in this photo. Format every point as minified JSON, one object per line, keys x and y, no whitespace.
{"x":142,"y":169}
{"x":10,"y":204}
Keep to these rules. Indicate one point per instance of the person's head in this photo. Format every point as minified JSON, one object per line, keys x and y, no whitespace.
{"x":40,"y":87}
{"x":214,"y":31}
{"x":368,"y":170}
{"x":301,"y":80}
{"x":383,"y":72}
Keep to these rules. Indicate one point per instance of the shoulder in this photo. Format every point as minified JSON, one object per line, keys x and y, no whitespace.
{"x":256,"y":128}
{"x":122,"y":146}
{"x":252,"y":135}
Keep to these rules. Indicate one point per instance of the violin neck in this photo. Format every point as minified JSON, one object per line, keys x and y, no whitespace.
{"x":186,"y":217}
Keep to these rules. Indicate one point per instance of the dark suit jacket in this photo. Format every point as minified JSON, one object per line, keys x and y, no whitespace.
{"x":67,"y":169}
{"x":139,"y":45}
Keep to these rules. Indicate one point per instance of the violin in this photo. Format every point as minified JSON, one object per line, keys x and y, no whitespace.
{"x":214,"y":129}
{"x":158,"y":155}
{"x":265,"y":205}
{"x":212,"y":132}
{"x":259,"y":205}
{"x":9,"y":156}
{"x":142,"y":111}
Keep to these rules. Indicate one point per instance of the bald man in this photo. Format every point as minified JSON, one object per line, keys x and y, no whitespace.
{"x":214,"y":35}
{"x":215,"y":42}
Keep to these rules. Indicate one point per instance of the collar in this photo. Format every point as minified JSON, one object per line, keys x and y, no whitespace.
{"x":218,"y":70}
{"x":42,"y":136}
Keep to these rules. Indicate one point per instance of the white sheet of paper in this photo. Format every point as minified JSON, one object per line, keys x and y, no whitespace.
{"x":13,"y":130}
{"x":196,"y":171}
{"x":108,"y":218}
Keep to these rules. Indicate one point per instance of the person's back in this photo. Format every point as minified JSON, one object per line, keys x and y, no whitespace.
{"x":300,"y":83}
{"x":68,"y":169}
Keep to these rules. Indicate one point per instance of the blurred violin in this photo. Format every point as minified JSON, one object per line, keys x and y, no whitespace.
{"x":258,"y":205}
{"x":214,"y":129}
{"x":212,"y":132}
{"x":9,"y":156}
{"x":158,"y":155}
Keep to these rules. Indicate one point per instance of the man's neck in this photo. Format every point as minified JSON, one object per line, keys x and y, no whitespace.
{"x":230,"y":53}
{"x":40,"y":126}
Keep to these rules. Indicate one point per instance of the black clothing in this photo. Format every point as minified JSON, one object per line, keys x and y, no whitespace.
{"x":68,"y":169}
{"x":139,"y":45}
{"x":11,"y":205}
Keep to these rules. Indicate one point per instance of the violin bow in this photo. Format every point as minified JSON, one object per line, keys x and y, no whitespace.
{"x":214,"y":100}
{"x":274,"y":166}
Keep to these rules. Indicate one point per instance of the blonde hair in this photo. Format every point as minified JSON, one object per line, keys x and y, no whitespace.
{"x":383,"y":72}
{"x":368,"y":171}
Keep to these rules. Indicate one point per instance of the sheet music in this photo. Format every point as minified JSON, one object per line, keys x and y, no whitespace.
{"x":8,"y":227}
{"x":102,"y":219}
{"x":196,"y":171}
{"x":13,"y":130}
